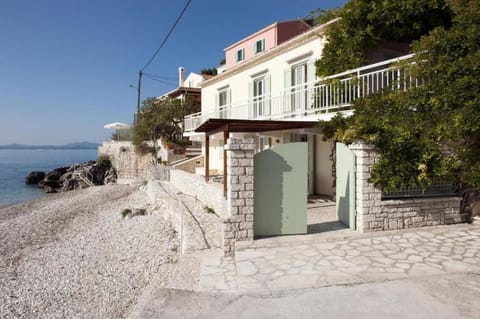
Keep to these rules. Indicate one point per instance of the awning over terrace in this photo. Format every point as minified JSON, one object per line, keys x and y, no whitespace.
{"x":227,"y":126}
{"x":213,"y":126}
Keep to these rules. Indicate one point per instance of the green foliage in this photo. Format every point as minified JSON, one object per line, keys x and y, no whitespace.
{"x":209,"y":71}
{"x":122,"y":135}
{"x":162,"y":119}
{"x":323,"y":16}
{"x":140,"y":212}
{"x":208,"y":210}
{"x":366,"y":25}
{"x":104,"y":161}
{"x":223,"y":61}
{"x":126,"y":212}
{"x":431,"y":132}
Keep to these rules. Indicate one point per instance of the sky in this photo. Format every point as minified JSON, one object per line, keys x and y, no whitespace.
{"x":66,"y":65}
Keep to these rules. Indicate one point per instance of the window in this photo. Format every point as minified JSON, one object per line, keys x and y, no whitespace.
{"x":258,"y":97}
{"x":223,"y":101}
{"x":222,"y":98}
{"x":259,"y":46}
{"x":299,"y":91}
{"x":240,"y":55}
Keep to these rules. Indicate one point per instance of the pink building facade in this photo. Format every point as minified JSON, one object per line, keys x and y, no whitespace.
{"x":263,"y":40}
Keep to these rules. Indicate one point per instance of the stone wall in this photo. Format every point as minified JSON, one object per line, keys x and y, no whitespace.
{"x":211,"y":194}
{"x":122,"y":154}
{"x":375,"y":214}
{"x":238,"y":225}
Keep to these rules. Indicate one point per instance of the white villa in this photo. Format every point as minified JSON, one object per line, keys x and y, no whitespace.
{"x":270,"y":75}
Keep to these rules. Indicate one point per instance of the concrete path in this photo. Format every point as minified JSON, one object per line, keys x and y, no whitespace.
{"x":300,"y":262}
{"x":439,"y":297}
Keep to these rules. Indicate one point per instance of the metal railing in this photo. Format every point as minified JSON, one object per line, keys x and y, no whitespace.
{"x":84,"y":175}
{"x":329,"y":95}
{"x":438,"y":188}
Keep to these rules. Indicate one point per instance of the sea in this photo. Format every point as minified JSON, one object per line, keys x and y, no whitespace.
{"x":16,"y":164}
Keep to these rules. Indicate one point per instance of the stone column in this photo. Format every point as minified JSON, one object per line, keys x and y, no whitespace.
{"x":239,"y":223}
{"x":368,"y":198}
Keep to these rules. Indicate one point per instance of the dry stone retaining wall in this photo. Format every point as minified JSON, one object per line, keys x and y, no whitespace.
{"x":123,"y":157}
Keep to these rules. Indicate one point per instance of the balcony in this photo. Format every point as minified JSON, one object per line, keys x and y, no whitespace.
{"x":314,"y":100}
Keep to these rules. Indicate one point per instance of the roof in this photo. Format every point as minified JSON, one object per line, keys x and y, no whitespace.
{"x":265,"y":29}
{"x":309,"y":35}
{"x":181,"y":90}
{"x":212,"y":126}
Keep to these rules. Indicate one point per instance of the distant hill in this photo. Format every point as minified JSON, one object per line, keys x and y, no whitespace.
{"x":71,"y":146}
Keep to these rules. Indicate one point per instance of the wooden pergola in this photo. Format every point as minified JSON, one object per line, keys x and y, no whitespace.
{"x":227,"y":126}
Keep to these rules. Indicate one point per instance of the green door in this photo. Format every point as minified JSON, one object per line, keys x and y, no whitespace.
{"x":345,"y":185}
{"x":280,"y":186}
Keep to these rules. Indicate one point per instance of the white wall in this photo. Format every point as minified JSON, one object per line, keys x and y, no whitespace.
{"x":238,"y":82}
{"x":323,"y":167}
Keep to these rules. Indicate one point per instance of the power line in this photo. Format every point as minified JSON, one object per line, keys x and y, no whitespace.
{"x":158,"y":79}
{"x":165,"y":77}
{"x":168,"y":35}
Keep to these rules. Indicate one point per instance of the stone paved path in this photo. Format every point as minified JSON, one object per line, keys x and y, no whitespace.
{"x":299,"y":264}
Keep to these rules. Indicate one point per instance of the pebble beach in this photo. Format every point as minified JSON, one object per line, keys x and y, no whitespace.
{"x":73,"y":255}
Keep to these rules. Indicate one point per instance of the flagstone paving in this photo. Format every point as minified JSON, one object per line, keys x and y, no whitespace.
{"x":298,"y":263}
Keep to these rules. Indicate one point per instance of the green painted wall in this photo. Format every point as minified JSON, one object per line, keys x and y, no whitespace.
{"x":281,"y":190}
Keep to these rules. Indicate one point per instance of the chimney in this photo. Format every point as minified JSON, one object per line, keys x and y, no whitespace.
{"x":181,"y":76}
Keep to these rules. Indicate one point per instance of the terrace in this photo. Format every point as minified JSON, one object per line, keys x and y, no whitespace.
{"x":320,"y":99}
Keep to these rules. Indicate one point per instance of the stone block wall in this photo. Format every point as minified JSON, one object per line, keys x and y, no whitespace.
{"x":375,"y":214}
{"x":238,"y":225}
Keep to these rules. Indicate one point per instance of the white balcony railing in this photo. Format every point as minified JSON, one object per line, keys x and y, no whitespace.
{"x":329,"y":95}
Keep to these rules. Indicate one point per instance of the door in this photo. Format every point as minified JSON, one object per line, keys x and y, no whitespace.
{"x":345,"y":185}
{"x":280,"y":188}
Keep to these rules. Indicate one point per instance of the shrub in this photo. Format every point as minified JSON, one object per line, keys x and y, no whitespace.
{"x":126,"y":212}
{"x":104,"y":160}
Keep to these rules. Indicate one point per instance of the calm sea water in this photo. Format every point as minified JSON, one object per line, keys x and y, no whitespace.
{"x":16,"y":164}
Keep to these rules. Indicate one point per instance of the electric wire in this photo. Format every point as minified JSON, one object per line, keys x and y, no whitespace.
{"x":168,"y":35}
{"x":159,"y":80}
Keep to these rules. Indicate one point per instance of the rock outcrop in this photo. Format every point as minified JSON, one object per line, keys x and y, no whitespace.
{"x":73,"y":177}
{"x":34,"y":177}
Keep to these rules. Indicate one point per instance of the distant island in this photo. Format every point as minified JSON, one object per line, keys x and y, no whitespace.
{"x":71,"y":146}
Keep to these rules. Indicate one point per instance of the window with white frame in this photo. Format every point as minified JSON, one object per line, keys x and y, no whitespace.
{"x":223,"y":101}
{"x":259,"y":46}
{"x":259,"y":92}
{"x":240,"y":56}
{"x":258,"y":95}
{"x":299,"y":79}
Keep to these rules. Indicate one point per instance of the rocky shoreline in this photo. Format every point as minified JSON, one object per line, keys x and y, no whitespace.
{"x":77,"y":176}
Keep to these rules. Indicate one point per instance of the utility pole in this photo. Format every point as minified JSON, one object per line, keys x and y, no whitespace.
{"x":139,"y":87}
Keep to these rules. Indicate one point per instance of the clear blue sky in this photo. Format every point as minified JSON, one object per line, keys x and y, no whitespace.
{"x":66,"y":65}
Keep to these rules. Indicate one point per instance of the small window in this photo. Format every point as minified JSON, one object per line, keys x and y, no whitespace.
{"x":259,"y":46}
{"x":240,"y":55}
{"x":222,"y":98}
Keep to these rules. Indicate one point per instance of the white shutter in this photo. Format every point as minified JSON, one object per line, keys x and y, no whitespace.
{"x":287,"y":80}
{"x":217,"y":104}
{"x":268,"y":95}
{"x":229,"y":103}
{"x":250,"y":100}
{"x":311,"y":70}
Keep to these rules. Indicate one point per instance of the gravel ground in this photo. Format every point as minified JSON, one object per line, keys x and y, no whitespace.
{"x":73,"y":255}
